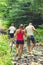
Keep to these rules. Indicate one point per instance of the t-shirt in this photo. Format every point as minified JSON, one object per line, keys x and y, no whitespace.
{"x":29,"y":30}
{"x":12,"y":29}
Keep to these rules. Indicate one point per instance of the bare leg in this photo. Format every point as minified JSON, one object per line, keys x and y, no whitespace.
{"x":29,"y":48}
{"x":33,"y":41}
{"x":28,"y":44}
{"x":20,"y":50}
{"x":11,"y":44}
{"x":17,"y":45}
{"x":33,"y":46}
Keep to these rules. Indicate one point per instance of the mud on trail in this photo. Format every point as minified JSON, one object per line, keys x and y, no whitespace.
{"x":36,"y":57}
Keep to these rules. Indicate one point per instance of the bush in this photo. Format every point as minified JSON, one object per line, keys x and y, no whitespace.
{"x":41,"y":26}
{"x":5,"y":55}
{"x":37,"y":37}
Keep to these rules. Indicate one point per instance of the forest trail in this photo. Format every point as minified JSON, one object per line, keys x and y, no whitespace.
{"x":36,"y":58}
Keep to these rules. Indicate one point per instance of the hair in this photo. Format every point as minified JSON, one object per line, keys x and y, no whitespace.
{"x":21,"y":26}
{"x":30,"y":23}
{"x":12,"y":24}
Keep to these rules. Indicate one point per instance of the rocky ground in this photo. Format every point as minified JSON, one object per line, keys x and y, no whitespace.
{"x":36,"y":57}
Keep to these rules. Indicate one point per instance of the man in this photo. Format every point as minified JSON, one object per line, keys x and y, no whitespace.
{"x":20,"y":40}
{"x":11,"y":33}
{"x":30,"y":35}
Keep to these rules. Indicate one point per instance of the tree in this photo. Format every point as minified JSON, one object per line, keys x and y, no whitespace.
{"x":22,"y":11}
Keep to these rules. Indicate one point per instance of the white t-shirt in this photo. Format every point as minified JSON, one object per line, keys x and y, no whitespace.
{"x":29,"y":30}
{"x":12,"y":29}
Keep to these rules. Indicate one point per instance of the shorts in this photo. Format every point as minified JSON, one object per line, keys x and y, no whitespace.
{"x":11,"y":35}
{"x":30,"y":38}
{"x":20,"y":41}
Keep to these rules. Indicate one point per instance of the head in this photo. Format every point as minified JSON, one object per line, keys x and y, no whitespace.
{"x":21,"y":26}
{"x":12,"y":24}
{"x":30,"y":23}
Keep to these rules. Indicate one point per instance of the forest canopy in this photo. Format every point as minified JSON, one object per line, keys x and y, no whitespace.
{"x":21,"y":11}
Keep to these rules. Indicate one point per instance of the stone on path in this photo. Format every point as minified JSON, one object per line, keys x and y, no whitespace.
{"x":36,"y":58}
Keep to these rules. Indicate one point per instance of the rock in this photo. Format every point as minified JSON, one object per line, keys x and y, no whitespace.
{"x":34,"y":63}
{"x":36,"y":57}
{"x":13,"y":62}
{"x":41,"y":62}
{"x":39,"y":44}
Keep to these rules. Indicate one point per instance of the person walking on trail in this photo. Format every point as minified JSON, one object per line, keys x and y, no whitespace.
{"x":11,"y":30}
{"x":20,"y":33}
{"x":30,"y":35}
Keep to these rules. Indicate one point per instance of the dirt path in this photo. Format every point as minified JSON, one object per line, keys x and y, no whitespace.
{"x":36,"y":58}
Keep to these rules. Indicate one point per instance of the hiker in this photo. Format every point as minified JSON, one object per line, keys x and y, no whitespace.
{"x":11,"y":30}
{"x":30,"y":35}
{"x":20,"y":33}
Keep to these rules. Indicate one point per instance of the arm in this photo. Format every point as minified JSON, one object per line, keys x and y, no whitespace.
{"x":14,"y":29}
{"x":35,"y":30}
{"x":16,"y":33}
{"x":25,"y":32}
{"x":8,"y":29}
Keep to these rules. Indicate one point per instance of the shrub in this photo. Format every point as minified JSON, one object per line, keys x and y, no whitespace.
{"x":37,"y":37}
{"x":5,"y":55}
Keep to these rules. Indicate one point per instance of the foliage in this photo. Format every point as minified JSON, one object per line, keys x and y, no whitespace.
{"x":41,"y":26}
{"x":39,"y":38}
{"x":18,"y":11}
{"x":21,"y":11}
{"x":5,"y":55}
